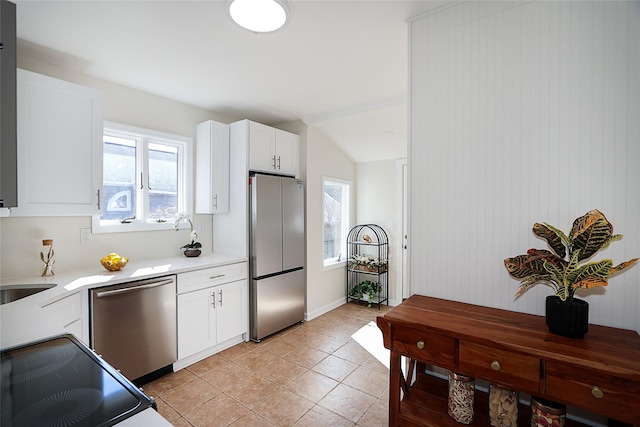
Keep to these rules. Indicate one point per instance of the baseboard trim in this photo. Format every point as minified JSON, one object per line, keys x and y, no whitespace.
{"x":190,"y":360}
{"x":324,"y":309}
{"x":332,"y":306}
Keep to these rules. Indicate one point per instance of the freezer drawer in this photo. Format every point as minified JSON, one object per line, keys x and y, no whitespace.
{"x":276,"y":303}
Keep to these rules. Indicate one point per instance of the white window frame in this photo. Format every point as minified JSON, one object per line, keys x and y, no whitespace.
{"x":185,"y":178}
{"x":340,"y":261}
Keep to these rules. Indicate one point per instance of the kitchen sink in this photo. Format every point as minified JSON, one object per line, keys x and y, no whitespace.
{"x":12,"y":293}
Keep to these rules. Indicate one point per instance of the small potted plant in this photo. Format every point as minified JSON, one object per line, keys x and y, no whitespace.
{"x":368,"y":288}
{"x":192,"y":249}
{"x":367,"y":263}
{"x":566,"y":270}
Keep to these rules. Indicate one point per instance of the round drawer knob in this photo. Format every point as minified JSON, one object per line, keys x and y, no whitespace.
{"x":495,"y":365}
{"x":597,"y":393}
{"x":420,"y":345}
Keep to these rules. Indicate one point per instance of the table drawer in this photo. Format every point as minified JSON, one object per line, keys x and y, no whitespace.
{"x":504,"y":367}
{"x":425,"y":346}
{"x":200,"y":279}
{"x":612,"y":396}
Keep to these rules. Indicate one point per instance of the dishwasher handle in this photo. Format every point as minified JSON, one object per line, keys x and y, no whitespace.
{"x":134,"y":288}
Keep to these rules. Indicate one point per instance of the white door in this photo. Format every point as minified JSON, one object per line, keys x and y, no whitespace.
{"x":406,"y":288}
{"x":287,"y":152}
{"x":262,"y":146}
{"x":196,"y":322}
{"x":59,"y":147}
{"x":231,"y":310}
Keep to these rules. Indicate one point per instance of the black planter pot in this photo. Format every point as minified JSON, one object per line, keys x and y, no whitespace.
{"x":567,"y":318}
{"x":192,"y":253}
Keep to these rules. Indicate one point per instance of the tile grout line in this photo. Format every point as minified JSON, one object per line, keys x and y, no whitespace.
{"x":323,"y":329}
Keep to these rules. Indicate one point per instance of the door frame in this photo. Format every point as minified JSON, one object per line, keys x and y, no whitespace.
{"x":403,"y":289}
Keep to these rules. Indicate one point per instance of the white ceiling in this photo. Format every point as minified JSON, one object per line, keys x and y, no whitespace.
{"x":340,"y":66}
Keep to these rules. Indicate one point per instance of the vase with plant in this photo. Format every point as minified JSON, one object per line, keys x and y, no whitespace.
{"x":368,"y":288}
{"x":565,"y":269}
{"x":367,"y":263}
{"x":192,"y":249}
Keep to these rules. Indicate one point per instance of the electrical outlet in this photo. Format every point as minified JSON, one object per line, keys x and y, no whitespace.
{"x":85,"y":235}
{"x":200,"y":228}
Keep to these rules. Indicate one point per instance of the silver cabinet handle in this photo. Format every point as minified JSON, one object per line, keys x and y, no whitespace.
{"x":216,"y":277}
{"x":278,"y":162}
{"x":220,"y":301}
{"x":134,"y":288}
{"x":98,"y":199}
{"x":274,"y":161}
{"x":215,"y":201}
{"x":213,"y":299}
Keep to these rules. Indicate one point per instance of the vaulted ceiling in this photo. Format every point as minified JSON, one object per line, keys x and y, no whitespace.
{"x":340,"y":66}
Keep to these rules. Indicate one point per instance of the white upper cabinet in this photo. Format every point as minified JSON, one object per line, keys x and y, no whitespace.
{"x":212,"y":167}
{"x":287,"y":153}
{"x":59,"y":147}
{"x":273,"y":150}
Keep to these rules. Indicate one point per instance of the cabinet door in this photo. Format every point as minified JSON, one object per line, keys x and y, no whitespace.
{"x":59,"y":147}
{"x":231,"y":310}
{"x":67,"y":313}
{"x":196,"y":322}
{"x":212,"y":167}
{"x":8,"y":146}
{"x":287,"y":153}
{"x":262,"y":147}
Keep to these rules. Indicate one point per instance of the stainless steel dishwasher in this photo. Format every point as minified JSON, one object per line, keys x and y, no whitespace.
{"x":133,"y":325}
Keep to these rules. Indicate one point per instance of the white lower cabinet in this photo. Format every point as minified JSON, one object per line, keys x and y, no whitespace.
{"x":209,"y":315}
{"x":231,"y":310}
{"x":69,"y":314}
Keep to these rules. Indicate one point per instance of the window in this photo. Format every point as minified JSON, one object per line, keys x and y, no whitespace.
{"x":335,"y":220}
{"x":144,"y":179}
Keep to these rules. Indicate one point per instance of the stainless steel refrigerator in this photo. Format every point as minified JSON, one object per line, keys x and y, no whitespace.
{"x":276,"y":249}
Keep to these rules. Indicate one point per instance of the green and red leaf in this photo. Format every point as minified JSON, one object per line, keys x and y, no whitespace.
{"x":523,"y":266}
{"x":554,"y":237}
{"x":590,"y":233}
{"x":622,"y":266}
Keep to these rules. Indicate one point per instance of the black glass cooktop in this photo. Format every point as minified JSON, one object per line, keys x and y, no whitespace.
{"x":59,"y":382}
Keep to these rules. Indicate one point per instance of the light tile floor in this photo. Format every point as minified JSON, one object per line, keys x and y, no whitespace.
{"x":312,"y":374}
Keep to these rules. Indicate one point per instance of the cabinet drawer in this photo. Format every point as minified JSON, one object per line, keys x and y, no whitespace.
{"x":66,"y":310}
{"x":505,"y":367}
{"x":200,"y":279}
{"x":425,"y":346}
{"x":615,"y":397}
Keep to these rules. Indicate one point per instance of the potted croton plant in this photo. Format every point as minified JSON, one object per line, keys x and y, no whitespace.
{"x":566,"y":270}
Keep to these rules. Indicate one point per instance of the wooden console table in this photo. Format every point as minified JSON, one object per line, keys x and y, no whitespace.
{"x":599,"y":373}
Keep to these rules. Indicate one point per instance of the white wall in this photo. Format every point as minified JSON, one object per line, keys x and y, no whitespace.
{"x":376,"y":195}
{"x":521,"y":113}
{"x":21,"y":238}
{"x":325,"y":288}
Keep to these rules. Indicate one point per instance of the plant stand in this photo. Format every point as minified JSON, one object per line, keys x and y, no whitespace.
{"x":368,"y":264}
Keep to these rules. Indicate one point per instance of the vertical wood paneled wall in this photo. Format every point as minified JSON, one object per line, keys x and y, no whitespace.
{"x":522,"y":112}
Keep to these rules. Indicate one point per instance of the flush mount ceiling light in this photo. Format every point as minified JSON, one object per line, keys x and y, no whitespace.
{"x":259,"y":16}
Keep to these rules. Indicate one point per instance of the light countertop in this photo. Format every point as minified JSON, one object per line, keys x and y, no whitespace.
{"x":25,"y":320}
